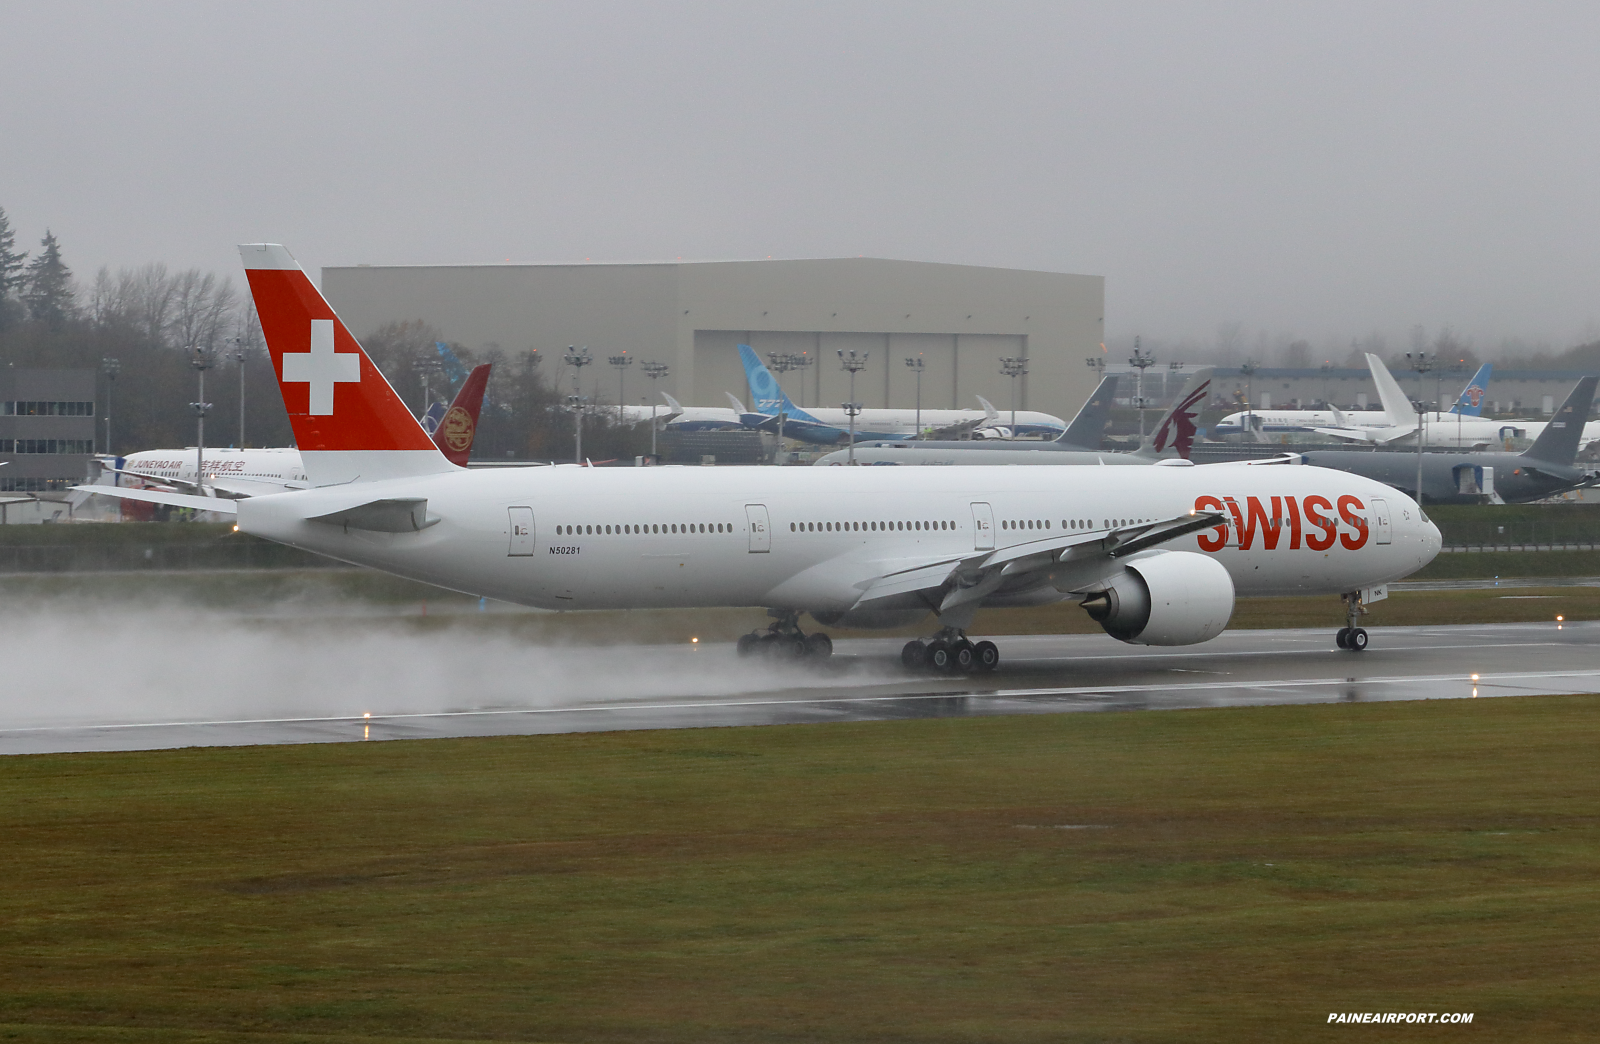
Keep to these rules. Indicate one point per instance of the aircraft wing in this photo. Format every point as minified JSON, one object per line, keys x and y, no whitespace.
{"x":959,"y":427}
{"x":232,"y":487}
{"x":954,"y":581}
{"x":151,"y":496}
{"x":1377,"y":435}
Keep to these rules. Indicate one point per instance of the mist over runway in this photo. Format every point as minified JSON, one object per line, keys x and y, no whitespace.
{"x":171,"y":677}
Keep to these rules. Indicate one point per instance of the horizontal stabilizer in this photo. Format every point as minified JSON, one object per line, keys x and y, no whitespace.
{"x":154,"y":496}
{"x":397,"y":515}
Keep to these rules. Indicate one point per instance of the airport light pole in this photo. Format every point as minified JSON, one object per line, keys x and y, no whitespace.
{"x":621,"y":362}
{"x":1141,"y":362}
{"x":655,"y":371}
{"x":853,"y":410}
{"x":577,"y":358}
{"x":201,"y":359}
{"x":1421,"y":431}
{"x":1248,"y":368}
{"x":111,"y":367}
{"x":238,"y":356}
{"x":1014,"y":368}
{"x":916,"y":363}
{"x":1422,"y":363}
{"x":802,"y":362}
{"x":855,"y":365}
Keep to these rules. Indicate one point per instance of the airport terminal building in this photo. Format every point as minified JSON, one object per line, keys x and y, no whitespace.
{"x":960,"y":319}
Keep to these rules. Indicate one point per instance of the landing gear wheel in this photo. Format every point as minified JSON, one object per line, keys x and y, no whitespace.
{"x":819,"y":646}
{"x":914,"y":656}
{"x":940,"y":657}
{"x":1342,"y":639}
{"x":1357,"y":641}
{"x":961,"y":656}
{"x":985,"y":656}
{"x":748,"y":644}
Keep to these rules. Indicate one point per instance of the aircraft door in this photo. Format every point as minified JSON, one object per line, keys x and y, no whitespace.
{"x":1380,"y":521}
{"x":522,"y":537}
{"x":760,"y":531}
{"x":982,"y":527}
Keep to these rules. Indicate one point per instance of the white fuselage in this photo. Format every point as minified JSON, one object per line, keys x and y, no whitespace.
{"x":688,"y":418}
{"x":811,"y":538}
{"x":1443,"y":430}
{"x":904,"y":422}
{"x":253,"y":472}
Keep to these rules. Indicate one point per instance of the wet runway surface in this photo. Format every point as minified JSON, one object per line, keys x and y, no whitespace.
{"x":1046,"y":674}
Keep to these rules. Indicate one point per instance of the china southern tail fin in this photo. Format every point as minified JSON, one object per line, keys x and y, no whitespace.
{"x":1089,"y":426}
{"x":348,"y":422}
{"x":1558,"y":442}
{"x":1174,"y":433}
{"x":459,"y":428}
{"x":1470,"y":402}
{"x":765,"y":394}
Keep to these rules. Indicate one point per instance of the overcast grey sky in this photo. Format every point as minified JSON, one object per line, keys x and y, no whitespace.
{"x":1323,"y":169}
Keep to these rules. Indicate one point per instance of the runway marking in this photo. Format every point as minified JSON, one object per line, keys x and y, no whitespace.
{"x":612,"y":708}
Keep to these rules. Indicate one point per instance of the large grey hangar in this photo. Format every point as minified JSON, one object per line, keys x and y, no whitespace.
{"x":961,"y":320}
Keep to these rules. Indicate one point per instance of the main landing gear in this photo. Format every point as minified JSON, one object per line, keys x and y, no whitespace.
{"x":785,"y":642}
{"x":950,"y":652}
{"x":1350,"y":636}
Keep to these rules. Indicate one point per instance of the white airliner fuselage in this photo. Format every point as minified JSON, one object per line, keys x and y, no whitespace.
{"x":238,"y":472}
{"x":816,"y":539}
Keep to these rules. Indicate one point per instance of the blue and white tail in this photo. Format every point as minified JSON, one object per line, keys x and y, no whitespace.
{"x":767,"y":397}
{"x":1470,"y":402}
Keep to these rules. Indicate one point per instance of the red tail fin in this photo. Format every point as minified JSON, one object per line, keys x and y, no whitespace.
{"x":460,"y":425}
{"x":347,"y":421}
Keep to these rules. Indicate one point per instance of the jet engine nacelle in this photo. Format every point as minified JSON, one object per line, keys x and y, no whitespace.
{"x":992,"y":433}
{"x":1168,"y":598}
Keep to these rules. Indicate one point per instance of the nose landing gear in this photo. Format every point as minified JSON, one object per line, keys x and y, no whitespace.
{"x":1350,"y":636}
{"x":950,"y":652}
{"x":785,"y":642}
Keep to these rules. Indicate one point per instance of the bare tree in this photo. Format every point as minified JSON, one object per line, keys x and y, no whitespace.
{"x":151,"y":294}
{"x":200,"y":306}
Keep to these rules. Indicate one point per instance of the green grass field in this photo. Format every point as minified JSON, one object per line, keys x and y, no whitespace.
{"x":1228,"y":875}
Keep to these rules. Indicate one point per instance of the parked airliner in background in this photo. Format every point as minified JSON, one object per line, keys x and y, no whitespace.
{"x":1387,"y":421}
{"x":152,"y":475}
{"x":1155,"y":555}
{"x":1172,"y":438}
{"x":831,"y":426}
{"x":1461,"y":428}
{"x":678,"y":417}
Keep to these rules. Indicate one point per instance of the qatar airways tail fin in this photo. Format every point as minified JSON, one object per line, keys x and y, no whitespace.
{"x":1174,"y":433}
{"x":348,"y":422}
{"x":459,"y":427}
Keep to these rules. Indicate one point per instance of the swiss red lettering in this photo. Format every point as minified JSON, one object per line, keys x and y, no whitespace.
{"x":1294,"y":523}
{"x":1352,"y":541}
{"x":1317,"y":516}
{"x":1270,"y":530}
{"x":1207,"y":541}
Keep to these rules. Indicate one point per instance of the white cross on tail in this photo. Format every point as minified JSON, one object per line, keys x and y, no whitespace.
{"x":321,"y":368}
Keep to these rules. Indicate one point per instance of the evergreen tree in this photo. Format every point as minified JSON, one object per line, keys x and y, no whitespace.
{"x":48,"y":291}
{"x":11,"y":269}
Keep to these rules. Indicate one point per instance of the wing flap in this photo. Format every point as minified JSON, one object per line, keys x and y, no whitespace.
{"x":393,"y":515}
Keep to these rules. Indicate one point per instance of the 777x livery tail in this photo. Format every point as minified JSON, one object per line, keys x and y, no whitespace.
{"x":766,"y":396}
{"x":348,"y":422}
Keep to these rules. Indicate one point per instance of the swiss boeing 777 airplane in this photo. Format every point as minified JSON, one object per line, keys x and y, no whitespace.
{"x":1155,"y":554}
